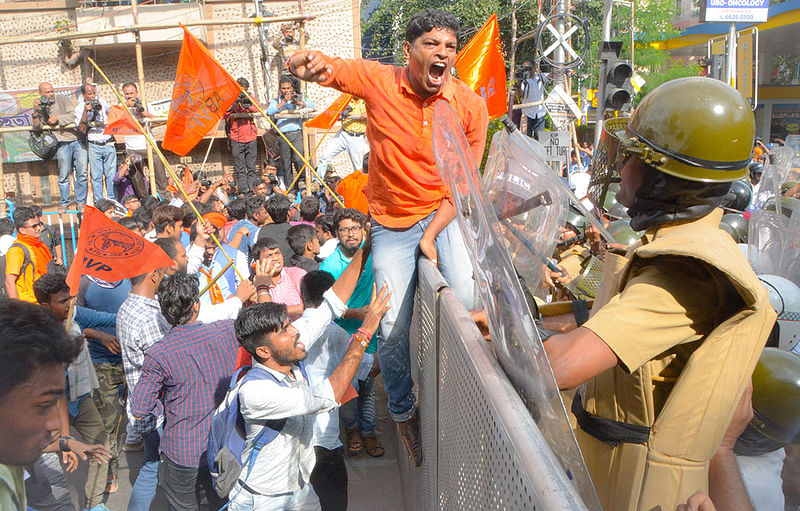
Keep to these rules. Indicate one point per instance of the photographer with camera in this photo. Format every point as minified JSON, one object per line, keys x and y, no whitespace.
{"x":90,"y":116}
{"x":533,"y":82}
{"x":242,"y":134}
{"x":58,"y":110}
{"x":136,"y":149}
{"x":289,"y":100}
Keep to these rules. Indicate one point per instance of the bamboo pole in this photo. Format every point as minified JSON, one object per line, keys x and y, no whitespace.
{"x":133,"y":28}
{"x":303,"y":131}
{"x":137,"y":36}
{"x":2,"y":186}
{"x":167,"y":166}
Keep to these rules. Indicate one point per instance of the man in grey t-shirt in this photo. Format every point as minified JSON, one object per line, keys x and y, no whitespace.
{"x":71,"y":151}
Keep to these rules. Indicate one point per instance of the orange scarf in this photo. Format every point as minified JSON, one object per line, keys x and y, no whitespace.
{"x":214,"y":291}
{"x":40,"y":254}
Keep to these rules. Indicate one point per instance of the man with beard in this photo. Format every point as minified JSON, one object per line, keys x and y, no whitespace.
{"x":680,"y":319}
{"x":404,"y":188}
{"x":281,"y":471}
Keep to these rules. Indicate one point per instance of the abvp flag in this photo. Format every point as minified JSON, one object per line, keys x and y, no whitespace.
{"x":110,"y":252}
{"x":328,"y":118}
{"x":203,"y":91}
{"x":119,"y":122}
{"x":480,"y":65}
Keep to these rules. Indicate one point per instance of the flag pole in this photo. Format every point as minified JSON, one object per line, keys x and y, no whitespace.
{"x":163,"y":159}
{"x":319,"y":144}
{"x":215,"y":279}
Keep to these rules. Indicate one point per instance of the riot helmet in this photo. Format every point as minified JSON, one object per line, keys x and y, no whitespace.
{"x":784,"y":296}
{"x":737,"y":225}
{"x":740,"y":196}
{"x":689,"y":129}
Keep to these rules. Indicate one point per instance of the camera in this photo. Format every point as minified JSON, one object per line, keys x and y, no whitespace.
{"x":524,"y":73}
{"x":46,"y":101}
{"x":345,"y":113}
{"x":137,"y":105}
{"x":96,"y":105}
{"x":244,"y":100}
{"x":295,"y":97}
{"x":44,"y":107}
{"x":273,"y":180}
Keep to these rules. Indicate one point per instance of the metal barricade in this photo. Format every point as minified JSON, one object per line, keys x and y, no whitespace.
{"x":481,"y":449}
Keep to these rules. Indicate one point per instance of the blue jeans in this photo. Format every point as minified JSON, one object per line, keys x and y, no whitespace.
{"x":360,"y":412}
{"x":67,"y":155}
{"x":144,"y":489}
{"x":103,"y":162}
{"x":534,"y":125}
{"x":394,"y":262}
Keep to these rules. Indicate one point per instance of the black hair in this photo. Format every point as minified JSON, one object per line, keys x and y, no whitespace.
{"x":6,"y":226}
{"x":425,"y":21}
{"x":258,"y":182}
{"x":350,"y":214}
{"x":49,"y":284}
{"x":150,"y":202}
{"x":168,"y":245}
{"x":166,"y":215}
{"x":257,"y":322}
{"x":37,"y":210}
{"x":176,"y":295}
{"x":30,"y":337}
{"x":326,"y":223}
{"x":144,"y":216}
{"x":309,"y":208}
{"x":243,"y":82}
{"x":237,"y":209}
{"x":130,"y":222}
{"x":313,"y":285}
{"x":127,"y":197}
{"x":83,"y":87}
{"x":103,"y":205}
{"x":193,"y":230}
{"x":262,"y":244}
{"x":189,"y":215}
{"x":253,"y":205}
{"x":22,"y":214}
{"x":129,"y":84}
{"x":298,"y":236}
{"x":289,"y":79}
{"x":278,"y":208}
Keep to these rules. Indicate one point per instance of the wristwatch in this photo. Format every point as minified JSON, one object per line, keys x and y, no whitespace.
{"x":62,"y":443}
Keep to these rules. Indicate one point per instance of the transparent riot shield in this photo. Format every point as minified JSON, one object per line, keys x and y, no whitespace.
{"x":519,"y":202}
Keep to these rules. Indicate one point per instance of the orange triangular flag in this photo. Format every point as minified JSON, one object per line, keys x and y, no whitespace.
{"x":480,"y":65}
{"x":110,"y":252}
{"x":328,"y":118}
{"x":119,"y":122}
{"x":203,"y":91}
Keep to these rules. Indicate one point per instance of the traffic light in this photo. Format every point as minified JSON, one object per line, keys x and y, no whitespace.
{"x":615,"y":83}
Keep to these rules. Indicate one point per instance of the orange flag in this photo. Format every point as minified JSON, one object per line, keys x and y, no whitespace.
{"x":120,"y":123}
{"x":110,"y":252}
{"x":480,"y":65}
{"x":203,"y":91}
{"x":328,"y":118}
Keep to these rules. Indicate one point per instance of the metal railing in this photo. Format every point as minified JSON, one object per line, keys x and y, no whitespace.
{"x":481,"y":449}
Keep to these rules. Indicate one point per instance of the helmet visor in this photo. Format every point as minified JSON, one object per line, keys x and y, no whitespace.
{"x":608,"y":159}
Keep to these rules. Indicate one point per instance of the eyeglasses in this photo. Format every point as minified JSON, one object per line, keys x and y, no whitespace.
{"x":33,"y":226}
{"x":349,"y":230}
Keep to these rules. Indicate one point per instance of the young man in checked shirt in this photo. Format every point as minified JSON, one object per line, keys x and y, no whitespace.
{"x":140,"y":325}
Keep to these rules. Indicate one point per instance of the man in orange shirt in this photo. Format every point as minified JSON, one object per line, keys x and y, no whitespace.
{"x":351,"y":188}
{"x":27,"y":258}
{"x":404,"y":188}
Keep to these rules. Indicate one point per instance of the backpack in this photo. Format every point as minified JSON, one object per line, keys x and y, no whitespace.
{"x":26,"y":261}
{"x":227,"y":437}
{"x":43,"y":144}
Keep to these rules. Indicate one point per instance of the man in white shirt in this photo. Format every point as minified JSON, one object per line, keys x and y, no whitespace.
{"x":281,"y":471}
{"x":533,"y":91}
{"x":90,"y":117}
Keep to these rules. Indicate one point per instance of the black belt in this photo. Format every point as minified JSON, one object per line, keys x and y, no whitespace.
{"x":607,"y":430}
{"x":100,"y":143}
{"x":354,"y":134}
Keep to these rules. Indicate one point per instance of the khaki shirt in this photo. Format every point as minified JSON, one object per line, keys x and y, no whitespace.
{"x":12,"y":488}
{"x":64,"y":109}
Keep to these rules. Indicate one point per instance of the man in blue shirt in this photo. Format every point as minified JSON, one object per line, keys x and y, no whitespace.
{"x":256,"y":217}
{"x":358,"y":415}
{"x":288,"y":101}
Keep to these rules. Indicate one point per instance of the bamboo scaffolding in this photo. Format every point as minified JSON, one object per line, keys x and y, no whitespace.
{"x":138,"y":28}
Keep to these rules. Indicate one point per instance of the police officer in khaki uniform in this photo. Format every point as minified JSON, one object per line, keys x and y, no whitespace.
{"x":680,"y":319}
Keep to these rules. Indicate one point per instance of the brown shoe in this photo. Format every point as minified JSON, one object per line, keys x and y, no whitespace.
{"x":409,"y":432}
{"x":354,"y":441}
{"x":372,"y":446}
